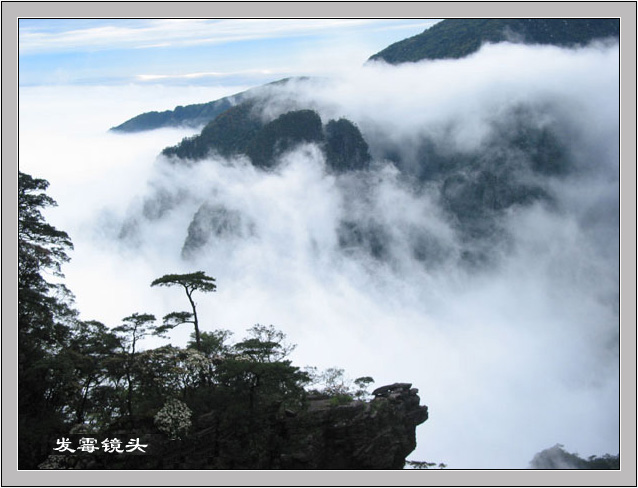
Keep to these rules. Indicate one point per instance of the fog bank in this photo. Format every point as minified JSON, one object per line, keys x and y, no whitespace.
{"x":511,"y":357}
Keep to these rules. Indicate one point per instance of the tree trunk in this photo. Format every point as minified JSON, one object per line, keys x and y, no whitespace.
{"x":195,"y":322}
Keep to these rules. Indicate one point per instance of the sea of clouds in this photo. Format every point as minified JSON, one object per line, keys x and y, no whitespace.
{"x":510,"y":359}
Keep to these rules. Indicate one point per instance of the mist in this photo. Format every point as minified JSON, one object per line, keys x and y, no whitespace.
{"x":512,"y":356}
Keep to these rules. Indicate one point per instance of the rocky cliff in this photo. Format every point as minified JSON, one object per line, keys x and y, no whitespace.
{"x":379,"y":434}
{"x":323,"y":435}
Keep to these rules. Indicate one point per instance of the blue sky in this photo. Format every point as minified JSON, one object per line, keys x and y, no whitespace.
{"x":198,"y":51}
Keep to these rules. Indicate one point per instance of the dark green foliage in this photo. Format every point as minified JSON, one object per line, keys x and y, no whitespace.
{"x":41,"y":245}
{"x":213,"y":344}
{"x":607,"y":461}
{"x":238,"y":131}
{"x":173,"y":319}
{"x":346,"y":149}
{"x":456,"y":38}
{"x":557,"y":457}
{"x":134,"y":328}
{"x":194,"y":115}
{"x":277,"y":348}
{"x":46,"y":386}
{"x":190,"y":116}
{"x":472,"y":196}
{"x":67,"y":369}
{"x":227,"y":135}
{"x":340,"y":399}
{"x":92,"y":350}
{"x":44,"y":308}
{"x":253,"y":383}
{"x":167,"y":372}
{"x":190,"y":282}
{"x":282,"y":134}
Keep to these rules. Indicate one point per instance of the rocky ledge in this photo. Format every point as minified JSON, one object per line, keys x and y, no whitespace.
{"x":378,"y":434}
{"x":328,"y":433}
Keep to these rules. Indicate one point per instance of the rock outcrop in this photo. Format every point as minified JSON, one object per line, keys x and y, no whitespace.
{"x":326,"y":434}
{"x":378,"y":434}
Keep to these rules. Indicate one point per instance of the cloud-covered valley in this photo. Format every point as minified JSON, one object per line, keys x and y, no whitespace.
{"x":501,"y":307}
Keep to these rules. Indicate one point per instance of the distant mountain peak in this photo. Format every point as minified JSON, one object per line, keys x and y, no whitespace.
{"x":194,"y":115}
{"x":239,"y":131}
{"x":457,"y":38}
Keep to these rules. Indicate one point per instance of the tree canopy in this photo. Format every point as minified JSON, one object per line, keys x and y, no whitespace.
{"x":190,"y":282}
{"x":47,"y":384}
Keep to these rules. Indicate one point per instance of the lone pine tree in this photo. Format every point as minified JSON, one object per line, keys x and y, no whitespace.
{"x":190,"y":282}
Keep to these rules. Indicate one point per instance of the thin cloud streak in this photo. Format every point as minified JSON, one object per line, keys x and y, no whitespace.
{"x":184,"y":33}
{"x":56,"y":52}
{"x":212,"y":74}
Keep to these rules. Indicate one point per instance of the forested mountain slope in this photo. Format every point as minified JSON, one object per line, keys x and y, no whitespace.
{"x":456,"y":38}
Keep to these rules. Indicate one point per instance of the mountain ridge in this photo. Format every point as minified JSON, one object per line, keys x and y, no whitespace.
{"x":457,"y":38}
{"x":524,"y":148}
{"x":193,"y":115}
{"x":448,"y":39}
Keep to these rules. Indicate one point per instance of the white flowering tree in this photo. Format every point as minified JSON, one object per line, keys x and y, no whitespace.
{"x":170,"y":371}
{"x":174,"y":418}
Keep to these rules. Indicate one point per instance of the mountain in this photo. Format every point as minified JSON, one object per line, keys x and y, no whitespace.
{"x":451,"y":38}
{"x":240,"y":130}
{"x":475,"y":189}
{"x":456,"y":38}
{"x":188,"y":116}
{"x":195,"y":115}
{"x":227,"y":135}
{"x":557,"y":457}
{"x":525,"y":145}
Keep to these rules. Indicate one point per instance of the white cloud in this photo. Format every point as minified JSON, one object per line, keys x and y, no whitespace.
{"x":510,"y":360}
{"x":210,"y":74}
